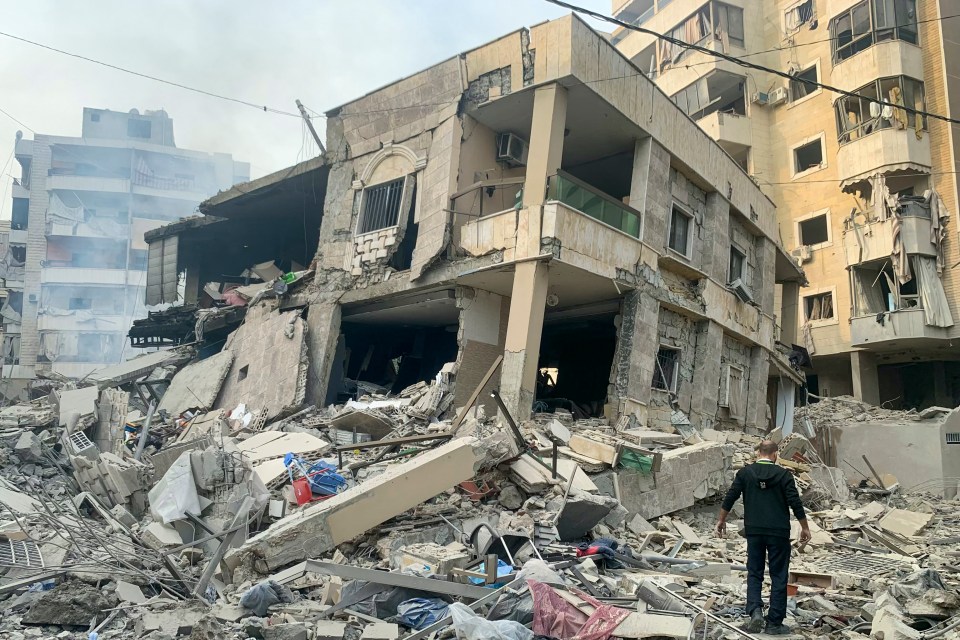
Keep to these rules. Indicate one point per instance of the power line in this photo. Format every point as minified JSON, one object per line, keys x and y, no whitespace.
{"x":744,"y":63}
{"x":258,"y":107}
{"x":17,"y":121}
{"x":801,"y":182}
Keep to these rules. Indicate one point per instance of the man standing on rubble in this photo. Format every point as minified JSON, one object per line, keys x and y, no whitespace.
{"x":769,"y":493}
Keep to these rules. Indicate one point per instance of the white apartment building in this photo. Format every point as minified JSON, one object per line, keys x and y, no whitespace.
{"x":866,"y":194}
{"x":76,"y":259}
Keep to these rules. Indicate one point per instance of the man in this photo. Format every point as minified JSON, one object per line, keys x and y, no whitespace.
{"x":769,"y":493}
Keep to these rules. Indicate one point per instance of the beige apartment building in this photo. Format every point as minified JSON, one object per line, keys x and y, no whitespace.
{"x":866,"y":194}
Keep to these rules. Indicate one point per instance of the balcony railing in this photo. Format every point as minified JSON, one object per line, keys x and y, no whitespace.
{"x":579,"y":195}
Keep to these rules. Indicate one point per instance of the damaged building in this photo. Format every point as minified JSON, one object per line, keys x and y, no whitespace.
{"x":76,"y":260}
{"x":534,"y":210}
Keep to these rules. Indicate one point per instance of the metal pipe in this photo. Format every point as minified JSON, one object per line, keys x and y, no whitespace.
{"x":713,"y":617}
{"x":145,"y":431}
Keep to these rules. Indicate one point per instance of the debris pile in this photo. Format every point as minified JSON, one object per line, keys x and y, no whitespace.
{"x":195,"y":494}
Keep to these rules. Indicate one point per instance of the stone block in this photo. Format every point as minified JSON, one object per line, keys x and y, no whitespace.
{"x":380,"y":631}
{"x":438,"y":559}
{"x":28,"y":447}
{"x":328,"y":630}
{"x":157,"y":535}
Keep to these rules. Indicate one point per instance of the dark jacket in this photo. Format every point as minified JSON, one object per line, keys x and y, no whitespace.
{"x":769,"y":492}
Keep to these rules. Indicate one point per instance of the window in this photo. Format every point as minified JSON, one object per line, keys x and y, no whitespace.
{"x":381,"y":206}
{"x":808,"y":156}
{"x":814,"y":231}
{"x":798,"y":15}
{"x":731,"y":390}
{"x":80,"y":303}
{"x":727,"y":27}
{"x":679,"y":239}
{"x":861,"y":115}
{"x":666,"y":369}
{"x":138,"y":128}
{"x":818,"y":306}
{"x":718,"y":91}
{"x":800,"y":86}
{"x":872,"y":21}
{"x":94,"y":117}
{"x":737,"y":260}
{"x":728,"y":22}
{"x":138,"y":259}
{"x":242,"y":373}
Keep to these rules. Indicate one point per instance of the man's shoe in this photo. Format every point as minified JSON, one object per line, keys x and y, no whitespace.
{"x":756,"y":621}
{"x":777,"y":630}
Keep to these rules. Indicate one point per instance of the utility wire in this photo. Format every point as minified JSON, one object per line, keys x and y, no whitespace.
{"x":744,"y":63}
{"x":17,"y":121}
{"x":258,"y":107}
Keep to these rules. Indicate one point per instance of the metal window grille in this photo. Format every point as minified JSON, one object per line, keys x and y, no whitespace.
{"x":665,"y":374}
{"x":381,"y":206}
{"x":20,"y":553}
{"x":952,"y":438}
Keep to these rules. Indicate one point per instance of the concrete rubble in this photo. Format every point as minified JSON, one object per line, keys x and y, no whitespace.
{"x":216,"y":531}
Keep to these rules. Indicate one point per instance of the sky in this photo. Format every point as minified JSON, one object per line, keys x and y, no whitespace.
{"x":323,"y":52}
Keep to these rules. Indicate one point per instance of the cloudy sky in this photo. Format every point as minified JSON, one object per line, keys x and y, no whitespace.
{"x":323,"y":52}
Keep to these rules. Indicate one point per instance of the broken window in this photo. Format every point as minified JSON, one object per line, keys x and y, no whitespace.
{"x":138,"y":128}
{"x":381,"y":206}
{"x":731,"y":390}
{"x":814,"y":231}
{"x":679,"y":238}
{"x":719,"y":91}
{"x":80,"y":303}
{"x":728,"y":24}
{"x":872,"y":21}
{"x":803,"y":83}
{"x":798,"y":15}
{"x":667,"y":369}
{"x":737,"y":260}
{"x":818,"y":306}
{"x":808,"y":156}
{"x":861,"y":115}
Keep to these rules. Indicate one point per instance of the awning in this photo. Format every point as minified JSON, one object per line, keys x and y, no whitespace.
{"x":911,"y":167}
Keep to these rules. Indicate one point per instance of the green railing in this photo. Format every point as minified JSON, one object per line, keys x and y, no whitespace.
{"x":599,"y":206}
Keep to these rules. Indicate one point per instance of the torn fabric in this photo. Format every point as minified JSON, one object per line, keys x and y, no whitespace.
{"x":936,"y":308}
{"x":554,"y":617}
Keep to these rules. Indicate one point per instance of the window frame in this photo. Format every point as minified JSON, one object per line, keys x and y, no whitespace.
{"x":675,"y":374}
{"x":735,"y":250}
{"x":815,"y":65}
{"x":874,"y":34}
{"x":725,"y":401}
{"x":866,"y":127}
{"x":793,"y":7}
{"x":361,"y":216}
{"x":683,"y":211}
{"x":810,"y":216}
{"x":821,"y":137}
{"x":835,"y":319}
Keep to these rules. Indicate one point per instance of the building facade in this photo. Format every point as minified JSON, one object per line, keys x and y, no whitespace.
{"x":540,"y":214}
{"x":76,"y":260}
{"x":849,"y":176}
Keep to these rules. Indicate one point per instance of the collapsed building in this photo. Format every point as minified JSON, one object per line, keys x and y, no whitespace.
{"x":536,"y":199}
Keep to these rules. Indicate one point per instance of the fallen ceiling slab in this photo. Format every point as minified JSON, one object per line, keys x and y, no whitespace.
{"x":197,"y":384}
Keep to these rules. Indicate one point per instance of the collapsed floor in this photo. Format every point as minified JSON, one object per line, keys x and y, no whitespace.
{"x":177,"y":496}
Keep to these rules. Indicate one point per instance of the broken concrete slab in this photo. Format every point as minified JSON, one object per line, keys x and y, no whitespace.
{"x":438,"y":559}
{"x":286,"y":631}
{"x":371,"y":423}
{"x":197,"y":385}
{"x":903,"y":522}
{"x":639,"y":525}
{"x":130,"y":370}
{"x":17,"y":501}
{"x":329,"y":630}
{"x":645,"y":437}
{"x":581,"y":513}
{"x":593,"y":449}
{"x":686,"y":474}
{"x":533,"y":477}
{"x":83,"y":401}
{"x":268,"y":445}
{"x":28,"y":447}
{"x":157,"y":535}
{"x":380,"y":631}
{"x":71,"y":603}
{"x":315,"y":530}
{"x":270,"y":363}
{"x":128,"y":592}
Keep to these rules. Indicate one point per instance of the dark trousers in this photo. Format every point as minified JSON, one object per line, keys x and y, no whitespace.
{"x":760,"y":550}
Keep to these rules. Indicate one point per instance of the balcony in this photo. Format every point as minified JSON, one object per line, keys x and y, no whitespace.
{"x":82,"y":321}
{"x":18,"y":371}
{"x":20,"y":191}
{"x":891,"y":58}
{"x":731,"y":130}
{"x":96,"y":228}
{"x":87,"y":183}
{"x":885,"y":150}
{"x":583,"y":198}
{"x":87,"y":275}
{"x":18,"y":236}
{"x":874,"y":241}
{"x":903,"y":328}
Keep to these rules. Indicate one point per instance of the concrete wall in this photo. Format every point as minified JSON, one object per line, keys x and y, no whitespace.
{"x":482,"y":335}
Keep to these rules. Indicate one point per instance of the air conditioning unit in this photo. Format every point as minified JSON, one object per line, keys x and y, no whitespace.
{"x":512,"y":149}
{"x":802,"y":254}
{"x":760,"y":98}
{"x":777,"y":96}
{"x":741,"y":290}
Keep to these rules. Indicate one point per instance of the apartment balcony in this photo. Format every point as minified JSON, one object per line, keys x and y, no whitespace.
{"x":886,"y":150}
{"x":18,"y":236}
{"x":20,"y":191}
{"x":900,"y":329}
{"x":87,"y":183}
{"x":731,"y":130}
{"x":82,"y":321}
{"x":87,"y":275}
{"x":102,"y":228}
{"x":76,"y":370}
{"x":18,"y":371}
{"x":874,"y":240}
{"x":883,"y":60}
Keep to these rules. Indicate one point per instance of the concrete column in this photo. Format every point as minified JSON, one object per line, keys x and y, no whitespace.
{"x":641,"y":172}
{"x":866,"y":384}
{"x":706,"y":374}
{"x":650,"y":190}
{"x":639,"y":342}
{"x":757,"y":390}
{"x":543,"y":160}
{"x":323,"y":331}
{"x":765,"y":273}
{"x":715,"y":259}
{"x":518,"y":378}
{"x":789,"y":301}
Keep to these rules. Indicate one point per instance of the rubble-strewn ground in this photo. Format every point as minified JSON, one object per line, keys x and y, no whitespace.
{"x":202,"y":534}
